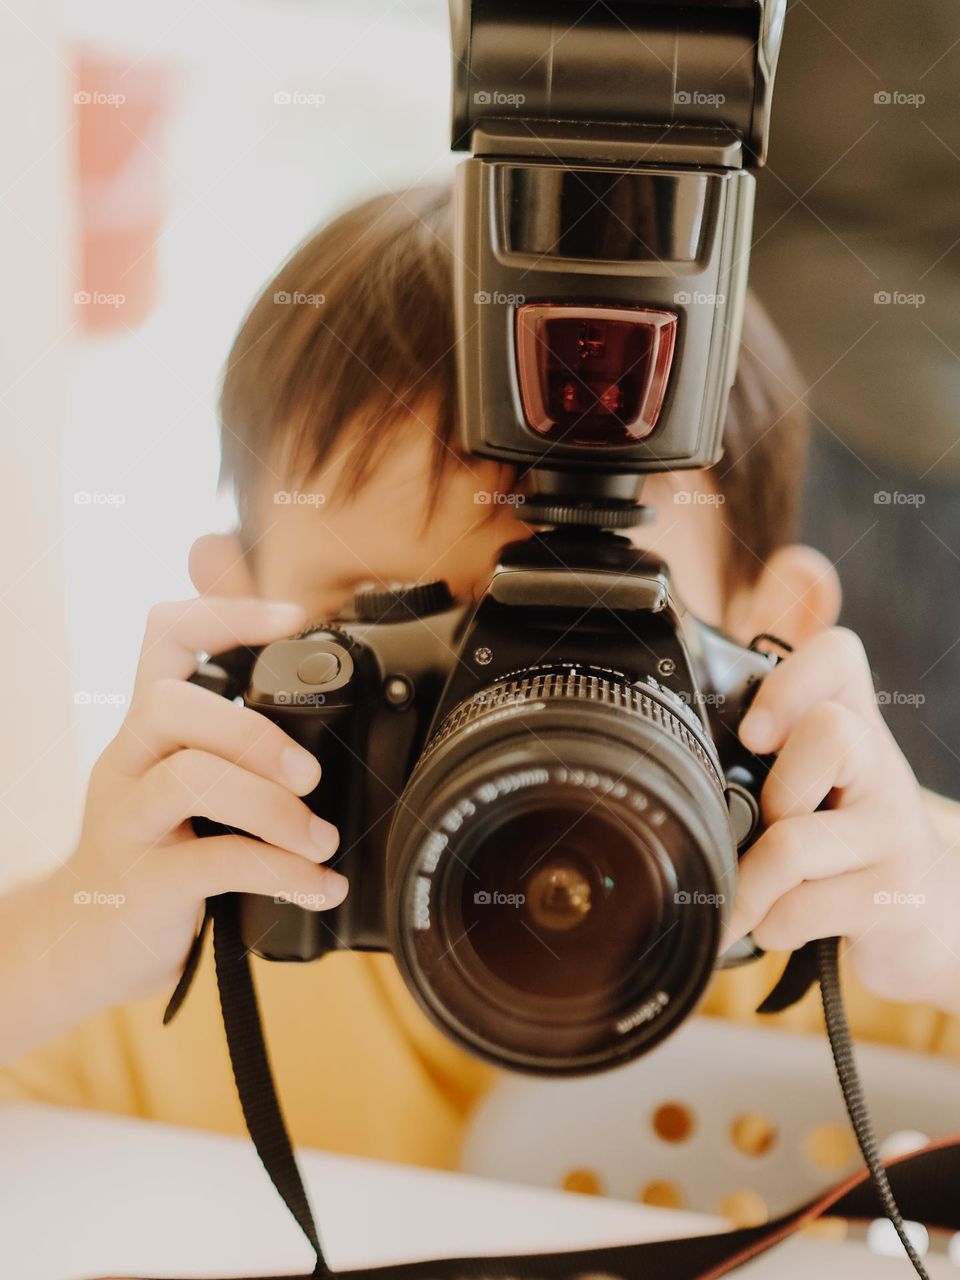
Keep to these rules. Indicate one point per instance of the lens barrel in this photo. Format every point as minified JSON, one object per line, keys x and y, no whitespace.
{"x":558,"y":866}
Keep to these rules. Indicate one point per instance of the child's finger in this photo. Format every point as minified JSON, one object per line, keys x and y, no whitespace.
{"x":171,"y":715}
{"x":176,"y":633}
{"x":196,"y":784}
{"x":830,"y":667}
{"x":831,"y":748}
{"x":815,"y":847}
{"x":237,"y":864}
{"x":838,"y":907}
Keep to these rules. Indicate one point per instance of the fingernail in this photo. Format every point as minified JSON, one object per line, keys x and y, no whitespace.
{"x":756,"y":731}
{"x":727,"y":938}
{"x":300,"y":769}
{"x":324,"y":836}
{"x":335,"y":888}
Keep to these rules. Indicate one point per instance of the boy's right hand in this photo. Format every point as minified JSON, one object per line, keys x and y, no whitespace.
{"x":137,"y":882}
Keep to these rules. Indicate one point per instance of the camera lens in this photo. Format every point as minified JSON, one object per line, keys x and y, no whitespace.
{"x":556,"y":868}
{"x":557,"y":902}
{"x":560,"y":895}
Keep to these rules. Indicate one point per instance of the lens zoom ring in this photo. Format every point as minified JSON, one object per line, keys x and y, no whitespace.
{"x":498,"y":700}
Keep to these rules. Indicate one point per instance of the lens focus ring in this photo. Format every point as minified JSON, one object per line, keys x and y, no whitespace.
{"x":576,"y":684}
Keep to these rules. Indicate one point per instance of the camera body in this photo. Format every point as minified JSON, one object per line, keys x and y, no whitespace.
{"x":575,"y":700}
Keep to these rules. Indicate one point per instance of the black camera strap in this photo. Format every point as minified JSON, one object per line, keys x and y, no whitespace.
{"x":920,"y":1187}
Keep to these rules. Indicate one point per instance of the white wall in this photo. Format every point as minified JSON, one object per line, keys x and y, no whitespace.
{"x":38,"y":775}
{"x":248,"y":179}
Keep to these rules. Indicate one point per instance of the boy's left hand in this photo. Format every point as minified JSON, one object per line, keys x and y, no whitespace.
{"x":849,"y":847}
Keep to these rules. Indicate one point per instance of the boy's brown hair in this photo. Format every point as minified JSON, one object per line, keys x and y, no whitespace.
{"x":355,"y":335}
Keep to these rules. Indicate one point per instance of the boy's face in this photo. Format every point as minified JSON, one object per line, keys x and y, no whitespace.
{"x":315,"y":549}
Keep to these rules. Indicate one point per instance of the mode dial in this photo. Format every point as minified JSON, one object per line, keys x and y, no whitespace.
{"x":402,"y":603}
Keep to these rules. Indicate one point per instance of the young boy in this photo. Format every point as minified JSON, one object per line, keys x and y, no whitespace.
{"x":339,"y":436}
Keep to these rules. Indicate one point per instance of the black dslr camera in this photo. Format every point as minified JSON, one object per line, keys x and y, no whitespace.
{"x":541,"y":799}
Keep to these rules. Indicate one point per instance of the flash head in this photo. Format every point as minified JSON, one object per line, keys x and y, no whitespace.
{"x":603,"y":225}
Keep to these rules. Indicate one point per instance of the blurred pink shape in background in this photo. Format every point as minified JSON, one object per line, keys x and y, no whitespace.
{"x":122,"y":110}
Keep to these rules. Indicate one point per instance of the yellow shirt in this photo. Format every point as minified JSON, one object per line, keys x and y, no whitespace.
{"x":736,"y":993}
{"x":360,"y":1069}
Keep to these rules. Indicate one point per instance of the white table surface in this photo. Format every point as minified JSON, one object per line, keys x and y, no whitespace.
{"x":85,"y":1195}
